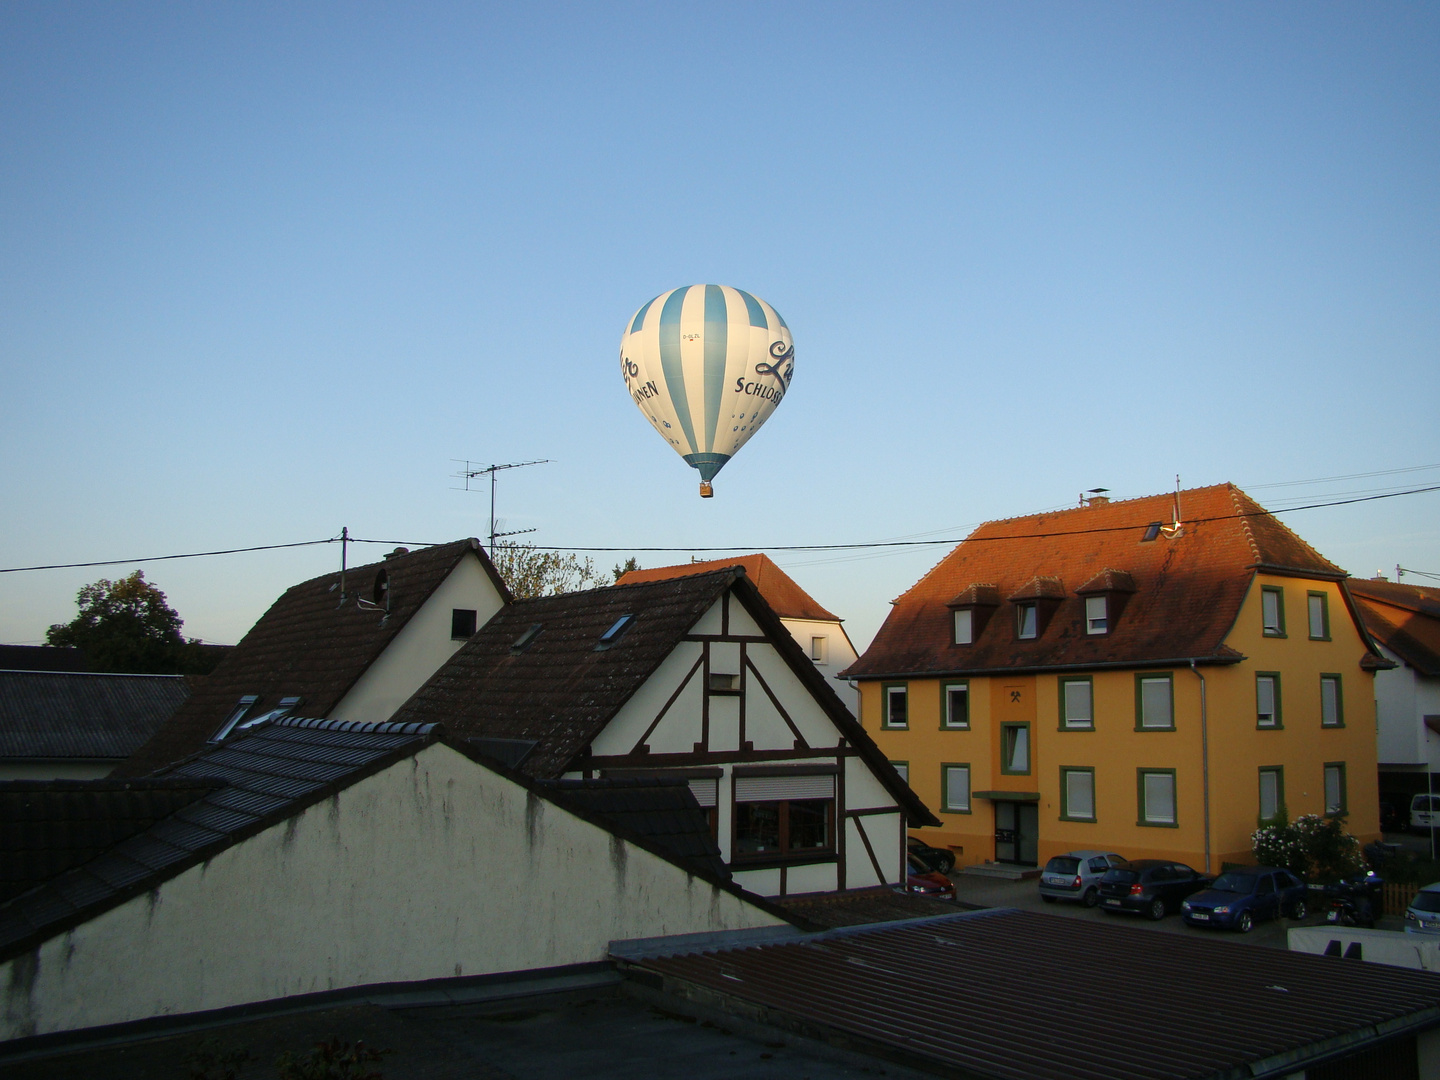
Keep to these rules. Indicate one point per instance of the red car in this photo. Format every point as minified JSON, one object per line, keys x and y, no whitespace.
{"x":926,"y":882}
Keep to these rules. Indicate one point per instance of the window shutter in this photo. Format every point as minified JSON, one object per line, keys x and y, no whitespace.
{"x":776,"y":788}
{"x":706,"y":791}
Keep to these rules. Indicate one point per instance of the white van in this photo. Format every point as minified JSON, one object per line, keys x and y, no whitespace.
{"x":1424,"y":813}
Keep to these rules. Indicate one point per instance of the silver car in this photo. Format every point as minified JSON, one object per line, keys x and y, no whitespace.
{"x":1424,"y":813}
{"x":1423,"y":914}
{"x":1076,"y":876}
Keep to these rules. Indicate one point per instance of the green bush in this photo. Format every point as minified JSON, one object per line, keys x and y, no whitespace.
{"x":1311,"y":847}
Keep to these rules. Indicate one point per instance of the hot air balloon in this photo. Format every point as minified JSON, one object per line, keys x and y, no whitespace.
{"x":707,"y":365}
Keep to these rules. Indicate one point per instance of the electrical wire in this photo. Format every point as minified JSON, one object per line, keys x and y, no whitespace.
{"x":873,"y":545}
{"x":1418,"y":573}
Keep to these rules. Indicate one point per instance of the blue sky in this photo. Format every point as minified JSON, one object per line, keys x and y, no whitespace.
{"x":266,"y":269}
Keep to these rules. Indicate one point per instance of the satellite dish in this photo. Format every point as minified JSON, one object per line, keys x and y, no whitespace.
{"x":707,"y":365}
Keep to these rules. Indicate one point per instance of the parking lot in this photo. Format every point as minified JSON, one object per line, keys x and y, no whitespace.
{"x":991,"y":892}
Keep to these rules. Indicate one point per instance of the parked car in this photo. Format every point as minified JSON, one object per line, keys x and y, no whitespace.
{"x":1076,"y":876}
{"x":921,"y":879}
{"x":1423,"y":914}
{"x":941,"y":860}
{"x":1150,"y":887}
{"x":1240,"y":898}
{"x":1424,"y":813}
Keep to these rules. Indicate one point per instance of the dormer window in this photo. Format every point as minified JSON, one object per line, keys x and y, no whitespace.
{"x":618,"y":627}
{"x":1105,"y":596}
{"x":1026,"y":620}
{"x":965,"y":626}
{"x":1096,"y":610}
{"x":971,"y":610}
{"x":381,"y":592}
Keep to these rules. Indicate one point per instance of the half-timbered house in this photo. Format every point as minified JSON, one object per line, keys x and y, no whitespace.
{"x":693,"y":677}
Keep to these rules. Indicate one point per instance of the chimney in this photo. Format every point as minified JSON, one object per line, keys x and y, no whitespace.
{"x":398,"y":552}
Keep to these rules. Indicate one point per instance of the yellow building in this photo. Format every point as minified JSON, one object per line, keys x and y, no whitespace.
{"x":1154,"y":677}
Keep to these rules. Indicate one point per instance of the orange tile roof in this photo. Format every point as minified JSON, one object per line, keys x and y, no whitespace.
{"x":1187,"y":590}
{"x":785,"y":598}
{"x":1403,"y":618}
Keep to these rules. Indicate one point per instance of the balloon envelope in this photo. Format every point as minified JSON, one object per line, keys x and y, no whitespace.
{"x":707,"y":365}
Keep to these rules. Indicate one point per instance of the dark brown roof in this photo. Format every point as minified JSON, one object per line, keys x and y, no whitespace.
{"x":49,"y":826}
{"x":308,"y":646}
{"x":559,"y":691}
{"x":779,"y":589}
{"x":270,"y":773}
{"x":53,"y":714}
{"x":1172,"y":1006}
{"x":1188,"y":589}
{"x":1403,"y":618}
{"x":860,"y":907}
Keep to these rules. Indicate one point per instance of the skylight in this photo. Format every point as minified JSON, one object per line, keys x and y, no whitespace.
{"x":1151,"y":532}
{"x":523,"y":641}
{"x":616,"y":629}
{"x":285,"y":708}
{"x":236,"y":715}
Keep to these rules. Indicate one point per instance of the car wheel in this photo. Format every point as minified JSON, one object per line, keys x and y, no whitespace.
{"x":1245,"y":923}
{"x":945,"y":863}
{"x":1047,"y":899}
{"x":1299,"y":911}
{"x":1092,"y":896}
{"x":1156,"y":910}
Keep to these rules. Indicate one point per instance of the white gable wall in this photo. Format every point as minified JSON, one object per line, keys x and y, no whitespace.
{"x":839,"y":654}
{"x":435,"y":867}
{"x":422,"y":646}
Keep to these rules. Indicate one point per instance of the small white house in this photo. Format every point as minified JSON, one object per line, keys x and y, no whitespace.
{"x":692,"y":678}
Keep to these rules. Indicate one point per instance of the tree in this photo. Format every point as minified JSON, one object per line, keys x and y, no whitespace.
{"x":530,"y":571}
{"x":1312,"y":847}
{"x":127,"y":626}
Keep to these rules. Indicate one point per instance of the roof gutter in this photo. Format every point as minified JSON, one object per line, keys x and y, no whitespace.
{"x":1042,"y":669}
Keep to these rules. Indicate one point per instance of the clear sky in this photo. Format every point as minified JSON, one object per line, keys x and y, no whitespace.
{"x":266,"y":269}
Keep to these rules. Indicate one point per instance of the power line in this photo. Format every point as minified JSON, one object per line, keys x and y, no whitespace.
{"x":1349,"y":476}
{"x":871,"y":545}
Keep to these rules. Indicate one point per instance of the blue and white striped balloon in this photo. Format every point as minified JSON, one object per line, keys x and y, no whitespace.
{"x":707,"y":365}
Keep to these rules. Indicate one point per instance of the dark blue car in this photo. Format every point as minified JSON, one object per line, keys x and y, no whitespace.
{"x":1241,"y":898}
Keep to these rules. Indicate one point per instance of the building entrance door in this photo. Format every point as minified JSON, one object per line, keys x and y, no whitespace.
{"x":1017,"y":832}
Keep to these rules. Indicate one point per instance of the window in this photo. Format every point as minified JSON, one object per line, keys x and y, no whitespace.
{"x":895,"y":704}
{"x":1154,"y":703}
{"x":1025,"y":620}
{"x":1151,"y":531}
{"x":523,"y":641}
{"x":380,"y":593}
{"x":722,"y":683}
{"x":1267,"y":699}
{"x":462,"y":623}
{"x":1157,"y":797}
{"x":784,"y":816}
{"x":817,"y":650}
{"x":1096,"y":610}
{"x":903,"y":768}
{"x":1077,"y":704}
{"x":964,"y":626}
{"x":955,"y":788}
{"x":1015,"y":748}
{"x":237,"y":714}
{"x":1335,"y":788}
{"x":1332,"y":712}
{"x":956,"y":704}
{"x":1272,"y":794}
{"x":618,"y":627}
{"x":1272,"y":611}
{"x":1319,"y":610}
{"x":1077,"y":794}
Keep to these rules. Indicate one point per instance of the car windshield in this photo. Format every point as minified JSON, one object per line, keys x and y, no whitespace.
{"x":1062,"y":864}
{"x":1426,"y":901}
{"x":1236,"y":883}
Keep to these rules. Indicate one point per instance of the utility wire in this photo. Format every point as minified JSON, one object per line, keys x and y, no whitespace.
{"x":1420,"y":573}
{"x":862,"y":546}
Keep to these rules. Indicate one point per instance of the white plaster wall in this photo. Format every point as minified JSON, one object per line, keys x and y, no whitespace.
{"x":817,"y":877}
{"x":420,"y":649}
{"x":761,"y":719}
{"x":435,"y":867}
{"x":683,"y":719}
{"x":839,"y":655}
{"x":1397,"y":715}
{"x":883,"y":831}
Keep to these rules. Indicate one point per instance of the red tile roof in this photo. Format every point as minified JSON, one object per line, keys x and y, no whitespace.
{"x":308,"y":646}
{"x":1187,"y":588}
{"x":1403,"y":618}
{"x":785,"y":598}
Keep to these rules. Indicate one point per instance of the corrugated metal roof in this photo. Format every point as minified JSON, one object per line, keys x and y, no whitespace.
{"x":51,"y":714}
{"x":1023,"y":996}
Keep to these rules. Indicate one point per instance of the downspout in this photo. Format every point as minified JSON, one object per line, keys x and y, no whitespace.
{"x":1204,"y":761}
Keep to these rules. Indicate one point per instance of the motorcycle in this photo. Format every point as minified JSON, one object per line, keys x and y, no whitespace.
{"x":1353,"y":903}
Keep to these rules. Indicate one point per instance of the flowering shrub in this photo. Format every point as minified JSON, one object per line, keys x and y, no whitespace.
{"x":1312,"y":847}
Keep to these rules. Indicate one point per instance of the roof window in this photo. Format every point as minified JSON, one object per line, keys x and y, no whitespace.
{"x":381,"y":595}
{"x":236,"y":715}
{"x":523,"y":641}
{"x":285,"y":708}
{"x":618,"y":627}
{"x":1152,"y":531}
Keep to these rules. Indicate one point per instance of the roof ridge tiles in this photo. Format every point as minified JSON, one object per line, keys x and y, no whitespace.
{"x":372,"y":727}
{"x":1245,"y":525}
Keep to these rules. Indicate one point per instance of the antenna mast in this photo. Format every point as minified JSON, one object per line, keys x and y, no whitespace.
{"x":473,"y":471}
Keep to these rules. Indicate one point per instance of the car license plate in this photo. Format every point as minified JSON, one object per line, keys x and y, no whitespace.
{"x":1431,"y":925}
{"x":1057,"y":881}
{"x":1200,"y":916}
{"x":1112,"y":903}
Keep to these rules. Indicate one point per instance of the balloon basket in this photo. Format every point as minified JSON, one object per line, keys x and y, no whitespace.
{"x":706,"y":491}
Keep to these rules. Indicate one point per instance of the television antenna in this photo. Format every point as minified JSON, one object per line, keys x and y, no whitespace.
{"x":472,"y":471}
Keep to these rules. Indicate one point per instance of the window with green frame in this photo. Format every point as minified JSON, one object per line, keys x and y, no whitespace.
{"x":955,"y":705}
{"x":1156,"y":795}
{"x":1318,"y":609}
{"x":1155,"y":702}
{"x":1267,"y":699}
{"x":1272,"y":793}
{"x":1015,"y":749}
{"x":1077,"y":793}
{"x":1077,"y":704}
{"x":1335,"y":802}
{"x":1332,"y":701}
{"x":955,"y":788}
{"x":895,"y":705}
{"x":1272,"y":611}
